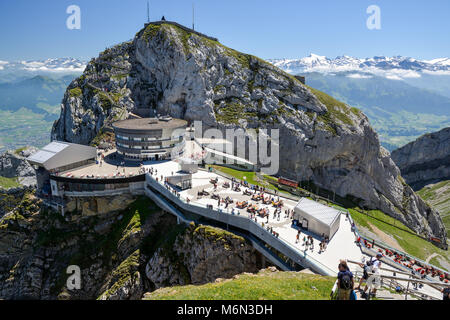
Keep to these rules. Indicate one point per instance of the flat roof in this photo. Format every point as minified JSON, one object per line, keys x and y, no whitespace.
{"x":58,"y":154}
{"x":149,"y":124}
{"x":47,"y":152}
{"x":317,"y":210}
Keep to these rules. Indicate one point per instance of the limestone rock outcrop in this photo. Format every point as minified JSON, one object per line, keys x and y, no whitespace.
{"x":14,"y":165}
{"x":166,"y":69}
{"x":112,"y":250}
{"x":200,"y":255}
{"x":425,"y":160}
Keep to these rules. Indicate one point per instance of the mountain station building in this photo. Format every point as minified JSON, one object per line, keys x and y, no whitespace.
{"x":145,"y":139}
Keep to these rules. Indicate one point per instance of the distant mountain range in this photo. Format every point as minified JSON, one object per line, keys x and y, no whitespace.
{"x":33,"y":92}
{"x":30,"y":97}
{"x":19,"y":70}
{"x":390,"y":67}
{"x":403,"y":97}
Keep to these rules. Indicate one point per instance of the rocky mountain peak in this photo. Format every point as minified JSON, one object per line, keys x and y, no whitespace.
{"x":425,"y":160}
{"x":170,"y":69}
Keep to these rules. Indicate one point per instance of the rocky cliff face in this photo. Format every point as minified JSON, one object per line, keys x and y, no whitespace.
{"x":38,"y":245}
{"x":200,"y":255}
{"x":426,"y":160}
{"x":172,"y":71}
{"x":10,"y":199}
{"x":14,"y":165}
{"x":112,"y":250}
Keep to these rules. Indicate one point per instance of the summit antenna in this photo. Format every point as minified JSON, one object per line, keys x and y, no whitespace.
{"x":148,"y":12}
{"x":193,"y":17}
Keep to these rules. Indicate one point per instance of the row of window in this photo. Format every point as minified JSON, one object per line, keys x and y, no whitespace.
{"x":136,"y":138}
{"x":146,"y":138}
{"x":155,"y":147}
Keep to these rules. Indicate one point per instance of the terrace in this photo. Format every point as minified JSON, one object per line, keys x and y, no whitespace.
{"x":201,"y":181}
{"x":342,"y":245}
{"x":112,"y":166}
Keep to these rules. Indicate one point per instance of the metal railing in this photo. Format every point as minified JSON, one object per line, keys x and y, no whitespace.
{"x":243,"y":222}
{"x":394,"y":282}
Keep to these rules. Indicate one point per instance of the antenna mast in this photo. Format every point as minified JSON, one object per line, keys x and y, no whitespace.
{"x":148,"y":12}
{"x":193,"y":17}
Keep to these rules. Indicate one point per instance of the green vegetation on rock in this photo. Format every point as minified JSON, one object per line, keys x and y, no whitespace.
{"x":75,"y":92}
{"x":126,"y":271}
{"x":217,"y":233}
{"x":150,"y":32}
{"x":438,"y":196}
{"x":19,"y":150}
{"x":102,"y":135}
{"x":231,"y":113}
{"x":336,"y":110}
{"x":108,"y":99}
{"x":7,"y":183}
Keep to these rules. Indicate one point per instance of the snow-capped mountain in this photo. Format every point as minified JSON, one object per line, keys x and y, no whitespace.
{"x":390,"y":67}
{"x":57,"y":65}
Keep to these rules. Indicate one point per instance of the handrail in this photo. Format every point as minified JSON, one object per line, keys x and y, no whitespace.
{"x":318,"y":265}
{"x":269,"y":191}
{"x":420,"y":295}
{"x":403,"y":253}
{"x":255,"y":242}
{"x":356,"y":231}
{"x":388,"y":247}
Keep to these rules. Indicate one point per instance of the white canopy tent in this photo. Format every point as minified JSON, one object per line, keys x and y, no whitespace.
{"x":317,"y":218}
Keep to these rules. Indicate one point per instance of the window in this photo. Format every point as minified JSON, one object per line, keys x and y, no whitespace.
{"x":122,"y":145}
{"x":122,"y":137}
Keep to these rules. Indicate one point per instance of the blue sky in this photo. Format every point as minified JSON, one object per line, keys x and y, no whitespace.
{"x":269,"y":29}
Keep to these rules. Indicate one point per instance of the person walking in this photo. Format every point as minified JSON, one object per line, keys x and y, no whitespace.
{"x":345,"y":281}
{"x":372,"y":266}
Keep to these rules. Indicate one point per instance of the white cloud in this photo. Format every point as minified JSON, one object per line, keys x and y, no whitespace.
{"x":438,"y":72}
{"x":393,"y":77}
{"x":359,"y":76}
{"x":56,"y":70}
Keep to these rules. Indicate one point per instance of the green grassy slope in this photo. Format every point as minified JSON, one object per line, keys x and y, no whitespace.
{"x":266,"y":285}
{"x":408,"y":241}
{"x":438,"y":196}
{"x":6,"y":183}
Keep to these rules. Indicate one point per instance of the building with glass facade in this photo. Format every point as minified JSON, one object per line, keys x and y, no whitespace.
{"x":150,"y":138}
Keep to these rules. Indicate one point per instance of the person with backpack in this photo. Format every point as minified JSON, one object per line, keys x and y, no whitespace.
{"x":371,"y":266}
{"x":345,"y":281}
{"x":446,"y":294}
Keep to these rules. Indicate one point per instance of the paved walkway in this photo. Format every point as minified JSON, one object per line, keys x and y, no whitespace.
{"x":341,"y":246}
{"x":109,"y":167}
